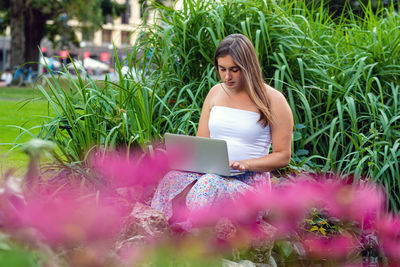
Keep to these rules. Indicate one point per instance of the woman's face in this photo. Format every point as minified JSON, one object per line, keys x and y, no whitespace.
{"x":230,"y":73}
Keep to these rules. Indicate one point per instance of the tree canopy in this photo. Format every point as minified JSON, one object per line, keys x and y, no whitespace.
{"x":28,"y":22}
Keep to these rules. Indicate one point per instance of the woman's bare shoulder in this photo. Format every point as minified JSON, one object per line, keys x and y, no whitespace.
{"x":213,"y":95}
{"x":275,"y":95}
{"x":280,"y":107}
{"x":215,"y":89}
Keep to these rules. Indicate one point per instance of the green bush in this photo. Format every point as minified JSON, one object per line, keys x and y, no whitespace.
{"x":340,"y":76}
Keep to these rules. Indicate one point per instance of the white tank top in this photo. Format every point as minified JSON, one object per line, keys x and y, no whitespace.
{"x":245,"y":137}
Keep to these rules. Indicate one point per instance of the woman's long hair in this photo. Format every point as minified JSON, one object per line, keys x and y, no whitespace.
{"x":243,"y":54}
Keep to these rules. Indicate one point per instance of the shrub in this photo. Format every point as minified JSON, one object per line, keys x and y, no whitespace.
{"x":340,"y":76}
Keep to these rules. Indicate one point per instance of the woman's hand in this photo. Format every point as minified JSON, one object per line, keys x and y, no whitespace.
{"x":238,"y":165}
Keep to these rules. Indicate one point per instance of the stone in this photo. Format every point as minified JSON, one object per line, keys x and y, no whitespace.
{"x":145,"y":221}
{"x":267,"y":234}
{"x":260,"y":248}
{"x":224,"y":229}
{"x":126,"y":250}
{"x":271,"y":263}
{"x":242,"y":263}
{"x":246,"y":263}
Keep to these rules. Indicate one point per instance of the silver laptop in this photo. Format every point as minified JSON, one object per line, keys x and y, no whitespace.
{"x":199,"y":154}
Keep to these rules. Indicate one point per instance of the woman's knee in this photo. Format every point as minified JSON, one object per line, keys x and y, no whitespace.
{"x":179,"y":175}
{"x":210,"y":178}
{"x":204,"y":192}
{"x":173,"y":174}
{"x":177,"y":178}
{"x":206,"y":185}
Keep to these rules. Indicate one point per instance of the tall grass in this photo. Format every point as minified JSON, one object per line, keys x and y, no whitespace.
{"x":342,"y":85}
{"x":340,"y":76}
{"x":92,"y":114}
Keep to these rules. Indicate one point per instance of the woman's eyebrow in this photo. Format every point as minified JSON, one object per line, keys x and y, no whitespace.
{"x":233,"y":67}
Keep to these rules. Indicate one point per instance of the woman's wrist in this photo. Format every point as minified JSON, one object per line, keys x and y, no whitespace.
{"x":246,"y":165}
{"x":241,"y":165}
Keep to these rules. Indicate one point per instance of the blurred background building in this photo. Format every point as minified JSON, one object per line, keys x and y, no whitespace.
{"x":117,"y":31}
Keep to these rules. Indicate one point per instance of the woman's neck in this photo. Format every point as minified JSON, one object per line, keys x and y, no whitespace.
{"x":234,"y":92}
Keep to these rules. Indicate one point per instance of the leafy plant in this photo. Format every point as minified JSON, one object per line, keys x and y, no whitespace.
{"x":340,"y":76}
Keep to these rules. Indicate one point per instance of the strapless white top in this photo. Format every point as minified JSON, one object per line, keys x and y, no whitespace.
{"x":245,"y":137}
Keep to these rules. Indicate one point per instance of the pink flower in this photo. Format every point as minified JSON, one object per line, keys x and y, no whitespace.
{"x":334,"y":247}
{"x":292,"y":202}
{"x":140,"y":169}
{"x":243,"y":209}
{"x":361,"y":203}
{"x":288,"y":204}
{"x":388,"y":230}
{"x":70,"y":219}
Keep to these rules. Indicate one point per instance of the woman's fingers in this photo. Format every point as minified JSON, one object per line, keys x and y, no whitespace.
{"x":237,"y":165}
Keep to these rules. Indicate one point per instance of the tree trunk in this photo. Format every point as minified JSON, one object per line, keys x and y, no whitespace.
{"x":17,"y":23}
{"x":35,"y":26}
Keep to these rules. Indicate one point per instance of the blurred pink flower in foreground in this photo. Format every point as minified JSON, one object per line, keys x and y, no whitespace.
{"x":388,"y":231}
{"x":334,"y":247}
{"x":288,"y":204}
{"x":69,"y":219}
{"x":138,"y":169}
{"x":359,"y":202}
{"x":70,"y":215}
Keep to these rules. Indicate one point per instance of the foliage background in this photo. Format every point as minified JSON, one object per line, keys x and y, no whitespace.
{"x":28,"y":23}
{"x":339,"y":73}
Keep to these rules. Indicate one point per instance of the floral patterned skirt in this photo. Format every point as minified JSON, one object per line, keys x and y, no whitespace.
{"x":207,"y":189}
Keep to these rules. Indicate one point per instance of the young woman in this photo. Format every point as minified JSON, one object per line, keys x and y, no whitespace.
{"x":247,"y":113}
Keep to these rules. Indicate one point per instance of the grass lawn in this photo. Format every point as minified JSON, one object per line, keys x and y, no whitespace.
{"x":19,"y":93}
{"x":16,"y":110}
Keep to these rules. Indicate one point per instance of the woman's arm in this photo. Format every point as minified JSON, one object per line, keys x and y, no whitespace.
{"x":203,"y":130}
{"x":281,"y":132}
